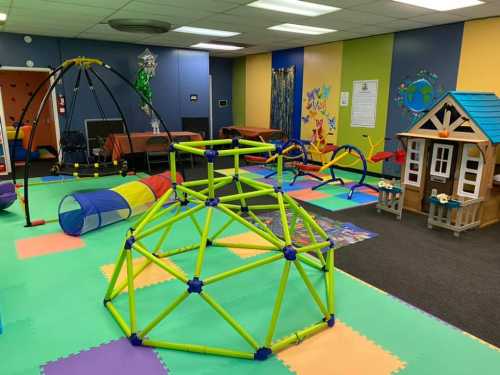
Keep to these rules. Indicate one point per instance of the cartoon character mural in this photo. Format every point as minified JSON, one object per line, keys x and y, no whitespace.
{"x":147,"y":69}
{"x":317,"y":115}
{"x":417,"y":94}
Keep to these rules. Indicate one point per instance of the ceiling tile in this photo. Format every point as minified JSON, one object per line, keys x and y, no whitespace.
{"x":167,"y":10}
{"x":405,"y":25}
{"x":209,"y":5}
{"x":392,"y":9}
{"x":109,"y":4}
{"x":357,"y":17}
{"x":262,"y":16}
{"x":345,"y":4}
{"x":485,"y":10}
{"x":438,"y":18}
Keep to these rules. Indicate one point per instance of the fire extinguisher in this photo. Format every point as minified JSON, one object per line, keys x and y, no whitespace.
{"x":61,"y":104}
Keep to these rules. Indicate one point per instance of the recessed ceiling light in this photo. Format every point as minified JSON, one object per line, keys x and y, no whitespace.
{"x":3,"y":17}
{"x":301,"y":29}
{"x":202,"y":31}
{"x":442,"y":5}
{"x":304,"y":8}
{"x":223,"y":47}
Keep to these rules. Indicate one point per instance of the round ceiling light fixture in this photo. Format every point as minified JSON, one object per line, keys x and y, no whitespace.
{"x":139,"y":26}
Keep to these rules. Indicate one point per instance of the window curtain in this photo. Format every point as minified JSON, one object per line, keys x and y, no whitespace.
{"x":282,"y":90}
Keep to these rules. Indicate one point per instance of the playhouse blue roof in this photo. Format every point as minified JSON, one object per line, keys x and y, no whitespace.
{"x":484,"y":109}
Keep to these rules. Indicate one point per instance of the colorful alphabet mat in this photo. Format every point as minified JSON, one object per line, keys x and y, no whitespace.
{"x":332,"y":197}
{"x":53,"y":321}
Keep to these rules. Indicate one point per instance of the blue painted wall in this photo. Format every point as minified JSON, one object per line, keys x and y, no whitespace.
{"x":434,"y":49}
{"x":179,"y":73}
{"x":286,"y":58}
{"x":221,"y":70}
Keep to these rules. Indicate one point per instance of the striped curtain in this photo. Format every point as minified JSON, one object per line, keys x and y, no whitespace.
{"x":282,"y":90}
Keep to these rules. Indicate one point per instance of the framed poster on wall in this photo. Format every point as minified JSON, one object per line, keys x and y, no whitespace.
{"x":364,"y":103}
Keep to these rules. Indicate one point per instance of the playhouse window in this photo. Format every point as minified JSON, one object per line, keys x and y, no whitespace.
{"x":471,"y":170}
{"x":441,"y":160}
{"x":413,"y":170}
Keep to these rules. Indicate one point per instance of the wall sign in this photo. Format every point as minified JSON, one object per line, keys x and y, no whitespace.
{"x":222,"y":103}
{"x":344,"y":99}
{"x":364,"y":103}
{"x":193,"y":97}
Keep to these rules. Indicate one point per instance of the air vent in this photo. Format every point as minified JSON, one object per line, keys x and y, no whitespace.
{"x":139,"y":26}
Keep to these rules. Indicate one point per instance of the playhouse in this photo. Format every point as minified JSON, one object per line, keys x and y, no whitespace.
{"x":454,"y":150}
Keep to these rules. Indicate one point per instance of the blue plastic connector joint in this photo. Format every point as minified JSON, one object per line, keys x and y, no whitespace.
{"x":235,"y":142}
{"x":262,"y":354}
{"x":129,"y":242}
{"x":212,"y":202}
{"x":244,"y":209}
{"x":330,"y":321}
{"x":279,"y":149}
{"x":332,"y":243}
{"x":195,"y":285}
{"x":236,"y":177}
{"x":278,"y":189}
{"x":211,"y":155}
{"x":171,"y":147}
{"x":290,"y":253}
{"x":135,"y":340}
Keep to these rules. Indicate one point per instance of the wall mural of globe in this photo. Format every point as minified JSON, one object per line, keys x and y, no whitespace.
{"x":417,"y":94}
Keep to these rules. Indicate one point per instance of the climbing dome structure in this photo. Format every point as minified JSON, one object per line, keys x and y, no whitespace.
{"x":193,"y":197}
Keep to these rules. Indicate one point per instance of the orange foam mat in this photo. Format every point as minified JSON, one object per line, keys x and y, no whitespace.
{"x":150,"y":276}
{"x":246,"y":238}
{"x":308,"y":195}
{"x":47,"y":244}
{"x":340,"y":351}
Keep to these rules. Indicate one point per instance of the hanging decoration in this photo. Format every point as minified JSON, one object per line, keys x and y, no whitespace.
{"x":317,"y":115}
{"x":147,"y":70}
{"x":415,"y":95}
{"x":282,"y":91}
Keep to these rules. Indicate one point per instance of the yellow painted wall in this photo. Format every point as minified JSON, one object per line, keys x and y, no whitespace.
{"x":322,"y":66}
{"x":258,"y":90}
{"x":480,"y":56}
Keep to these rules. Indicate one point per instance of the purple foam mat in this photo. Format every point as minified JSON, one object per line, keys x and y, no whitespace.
{"x":116,"y":357}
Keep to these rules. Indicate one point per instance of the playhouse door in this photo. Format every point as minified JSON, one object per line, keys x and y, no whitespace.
{"x":441,"y":163}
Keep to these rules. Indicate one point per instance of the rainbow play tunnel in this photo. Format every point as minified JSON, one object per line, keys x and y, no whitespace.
{"x":82,"y":212}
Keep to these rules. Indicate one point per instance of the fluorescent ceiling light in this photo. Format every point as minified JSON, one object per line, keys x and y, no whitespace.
{"x":301,"y":29}
{"x":3,"y":17}
{"x":442,"y":5}
{"x":304,"y":8}
{"x":202,"y":31}
{"x":223,"y":47}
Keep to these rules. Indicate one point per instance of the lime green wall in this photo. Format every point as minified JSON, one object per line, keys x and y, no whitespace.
{"x":366,"y":59}
{"x":239,"y":87}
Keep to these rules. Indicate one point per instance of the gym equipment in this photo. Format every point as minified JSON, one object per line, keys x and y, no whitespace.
{"x":149,"y":238}
{"x":82,"y":212}
{"x":7,"y":195}
{"x":90,"y":169}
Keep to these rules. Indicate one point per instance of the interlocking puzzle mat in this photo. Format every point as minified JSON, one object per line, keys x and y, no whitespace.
{"x":332,"y":197}
{"x":53,"y":318}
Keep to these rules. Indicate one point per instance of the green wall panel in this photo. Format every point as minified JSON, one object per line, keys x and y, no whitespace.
{"x":366,"y":59}
{"x":239,"y":83}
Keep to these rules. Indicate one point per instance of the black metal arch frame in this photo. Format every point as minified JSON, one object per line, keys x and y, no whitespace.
{"x":85,"y":64}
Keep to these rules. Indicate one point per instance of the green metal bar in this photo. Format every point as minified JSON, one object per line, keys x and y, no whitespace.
{"x":163,"y":314}
{"x":272,"y":239}
{"x":228,"y":318}
{"x":218,"y":185}
{"x":265,"y":206}
{"x":293,"y":224}
{"x":284,"y":221}
{"x":250,"y":194}
{"x":179,"y":250}
{"x":154,"y":209}
{"x":198,"y":349}
{"x":304,"y":258}
{"x":254,"y":184}
{"x":245,"y":246}
{"x":203,"y":242}
{"x":119,"y":319}
{"x":163,"y":212}
{"x":173,"y":167}
{"x":245,"y":151}
{"x":241,"y":269}
{"x":311,"y":289}
{"x":203,"y":182}
{"x":211,"y":191}
{"x":169,"y":221}
{"x":249,"y":142}
{"x":277,"y":304}
{"x":239,"y":189}
{"x":190,"y":149}
{"x":236,"y":163}
{"x":131,"y":292}
{"x":305,"y":216}
{"x":208,"y":142}
{"x":279,"y":175}
{"x":165,"y":233}
{"x":330,"y":275}
{"x":263,"y":225}
{"x":298,"y":336}
{"x":312,"y":237}
{"x":313,"y":247}
{"x":160,"y":264}
{"x":192,"y":192}
{"x":124,"y":283}
{"x":116,"y":273}
{"x":222,"y":229}
{"x":196,"y":224}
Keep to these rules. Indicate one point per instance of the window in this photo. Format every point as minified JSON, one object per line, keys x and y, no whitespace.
{"x":414,"y":159}
{"x":441,"y":160}
{"x":471,"y":170}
